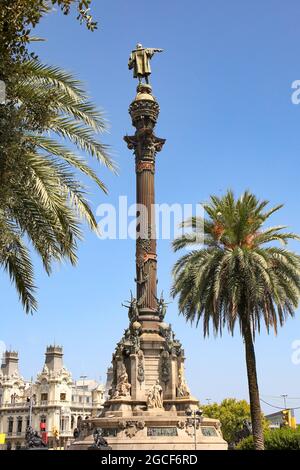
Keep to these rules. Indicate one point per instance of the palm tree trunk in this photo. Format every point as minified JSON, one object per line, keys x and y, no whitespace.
{"x":255,"y":409}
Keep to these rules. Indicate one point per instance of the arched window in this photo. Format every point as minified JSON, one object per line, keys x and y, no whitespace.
{"x":10,"y":425}
{"x":79,"y":421}
{"x":19,"y":425}
{"x":43,"y":422}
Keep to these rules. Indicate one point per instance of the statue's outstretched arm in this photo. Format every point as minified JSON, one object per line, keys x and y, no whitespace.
{"x":153,"y":50}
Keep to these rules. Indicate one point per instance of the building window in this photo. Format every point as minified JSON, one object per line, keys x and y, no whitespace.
{"x":87,"y":399}
{"x":79,"y":421}
{"x":43,"y":421}
{"x":10,"y":425}
{"x":62,"y":397}
{"x":64,"y":423}
{"x":27,"y":422}
{"x":44,"y":396}
{"x":19,"y":425}
{"x":13,"y":399}
{"x":80,"y":399}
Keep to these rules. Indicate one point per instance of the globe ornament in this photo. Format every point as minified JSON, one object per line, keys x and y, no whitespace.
{"x":136,"y":325}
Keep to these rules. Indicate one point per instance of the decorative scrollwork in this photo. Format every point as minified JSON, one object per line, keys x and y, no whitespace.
{"x":165,"y":366}
{"x":140,"y":367}
{"x":132,"y":427}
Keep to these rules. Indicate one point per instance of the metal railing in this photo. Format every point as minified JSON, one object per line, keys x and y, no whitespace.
{"x":23,"y":404}
{"x":43,"y":404}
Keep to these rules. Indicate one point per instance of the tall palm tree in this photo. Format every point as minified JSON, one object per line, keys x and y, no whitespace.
{"x":238,"y":276}
{"x":42,"y":200}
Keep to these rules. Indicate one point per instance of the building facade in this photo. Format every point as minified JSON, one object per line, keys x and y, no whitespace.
{"x":54,"y":404}
{"x":282,"y":418}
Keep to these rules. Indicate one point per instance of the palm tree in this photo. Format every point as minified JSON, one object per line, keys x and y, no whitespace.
{"x":42,"y":200}
{"x":237,"y":276}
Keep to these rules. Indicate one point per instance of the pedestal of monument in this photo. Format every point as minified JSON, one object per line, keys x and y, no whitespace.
{"x":149,"y":399}
{"x":149,"y":354}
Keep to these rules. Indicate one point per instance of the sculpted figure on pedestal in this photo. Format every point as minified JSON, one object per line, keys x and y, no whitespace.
{"x":162,"y":308}
{"x":99,"y":442}
{"x":182,"y":388}
{"x":133,"y":309}
{"x":155,"y":396}
{"x":33,"y":439}
{"x":123,"y":386}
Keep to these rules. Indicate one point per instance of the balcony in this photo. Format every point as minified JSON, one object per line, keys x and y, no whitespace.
{"x":16,"y":435}
{"x":81,"y":406}
{"x":23,"y":404}
{"x":66,"y":433}
{"x":39,"y":404}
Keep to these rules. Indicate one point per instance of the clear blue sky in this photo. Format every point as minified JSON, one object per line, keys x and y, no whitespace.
{"x":224,"y":87}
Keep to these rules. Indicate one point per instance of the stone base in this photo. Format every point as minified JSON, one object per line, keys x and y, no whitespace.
{"x":155,"y":430}
{"x":152,"y":408}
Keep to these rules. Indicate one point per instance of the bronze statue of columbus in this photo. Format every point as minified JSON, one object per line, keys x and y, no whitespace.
{"x":139,"y":61}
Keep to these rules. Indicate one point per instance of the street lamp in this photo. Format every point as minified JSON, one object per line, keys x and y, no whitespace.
{"x":284,"y":399}
{"x":83,"y":377}
{"x":30,"y":402}
{"x":195,"y":417}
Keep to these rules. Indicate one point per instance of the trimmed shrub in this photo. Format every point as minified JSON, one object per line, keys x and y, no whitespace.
{"x":277,"y":439}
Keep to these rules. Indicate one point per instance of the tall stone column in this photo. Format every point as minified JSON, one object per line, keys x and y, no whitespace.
{"x":144,"y":111}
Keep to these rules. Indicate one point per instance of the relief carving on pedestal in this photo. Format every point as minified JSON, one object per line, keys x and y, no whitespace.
{"x":131,"y":427}
{"x":190,"y":428}
{"x":122,"y":424}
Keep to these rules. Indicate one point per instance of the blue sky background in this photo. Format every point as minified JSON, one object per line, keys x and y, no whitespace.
{"x":224,"y":87}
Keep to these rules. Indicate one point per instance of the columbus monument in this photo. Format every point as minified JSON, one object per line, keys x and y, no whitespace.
{"x":150,"y":405}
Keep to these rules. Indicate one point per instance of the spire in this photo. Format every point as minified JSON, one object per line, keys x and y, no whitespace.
{"x":10,"y":364}
{"x":54,"y":357}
